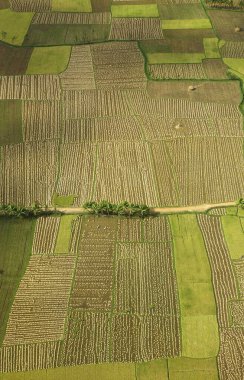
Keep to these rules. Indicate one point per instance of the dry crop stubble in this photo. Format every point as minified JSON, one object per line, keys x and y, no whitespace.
{"x":30,"y":5}
{"x":45,"y":236}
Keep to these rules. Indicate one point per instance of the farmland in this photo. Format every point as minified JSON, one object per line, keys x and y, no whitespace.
{"x":138,"y":101}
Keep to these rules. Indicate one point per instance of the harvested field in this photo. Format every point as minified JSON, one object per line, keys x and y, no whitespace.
{"x":224,"y":92}
{"x":4,"y":4}
{"x":29,"y":357}
{"x":76,"y":171}
{"x":232,"y":49}
{"x":141,"y":104}
{"x":79,"y":74}
{"x":224,"y":23}
{"x":31,"y":6}
{"x":30,"y":87}
{"x":14,"y":60}
{"x":239,"y":272}
{"x":93,"y":280}
{"x":102,"y":130}
{"x":90,"y":104}
{"x":72,"y":18}
{"x":125,"y":171}
{"x":118,"y":65}
{"x":145,"y":292}
{"x":130,"y":342}
{"x":135,"y":29}
{"x":41,"y":120}
{"x":40,"y":306}
{"x":28,"y":173}
{"x":177,"y":71}
{"x":230,"y":358}
{"x":222,"y":272}
{"x":215,"y":68}
{"x":16,"y":238}
{"x":45,"y":236}
{"x":87,"y":338}
{"x":237,"y":313}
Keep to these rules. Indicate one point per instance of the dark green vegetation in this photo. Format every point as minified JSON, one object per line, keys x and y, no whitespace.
{"x":123,"y":208}
{"x":22,"y":212}
{"x":15,"y":249}
{"x":46,"y":35}
{"x":10,"y":122}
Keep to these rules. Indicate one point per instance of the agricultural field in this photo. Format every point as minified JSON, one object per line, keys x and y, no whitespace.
{"x":142,"y":292}
{"x":139,"y":101}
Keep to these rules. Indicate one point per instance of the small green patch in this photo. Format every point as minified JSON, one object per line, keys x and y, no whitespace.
{"x":234,"y":235}
{"x":71,"y":5}
{"x":135,"y":10}
{"x":211,"y":48}
{"x":157,"y":58}
{"x":200,"y":337}
{"x":236,"y":64}
{"x":63,"y":200}
{"x":64,"y":234}
{"x":231,"y":210}
{"x":49,"y":60}
{"x":10,"y":122}
{"x":201,"y":23}
{"x":192,"y":369}
{"x":153,"y":370}
{"x":14,"y":26}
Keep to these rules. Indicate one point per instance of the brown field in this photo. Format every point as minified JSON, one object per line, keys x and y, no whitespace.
{"x":101,"y":5}
{"x":45,"y":236}
{"x":30,"y":87}
{"x":62,"y":18}
{"x":215,"y":68}
{"x":230,"y":358}
{"x":224,"y":92}
{"x":222,"y":272}
{"x":118,"y":65}
{"x":39,"y":310}
{"x":239,"y":272}
{"x":28,"y":173}
{"x":177,"y":71}
{"x":224,"y":24}
{"x":237,"y":313}
{"x":79,"y":74}
{"x":14,"y":61}
{"x":232,"y":49}
{"x":103,"y":129}
{"x":41,"y":120}
{"x":30,"y":5}
{"x":135,"y":29}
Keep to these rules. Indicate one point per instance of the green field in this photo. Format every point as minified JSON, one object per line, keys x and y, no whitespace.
{"x":14,"y":26}
{"x":211,"y":48}
{"x":236,"y":64}
{"x":201,"y":23}
{"x":63,"y":200}
{"x":198,"y":311}
{"x":135,"y":10}
{"x":64,"y":234}
{"x":49,"y":60}
{"x":15,"y":249}
{"x":10,"y":122}
{"x":234,"y":236}
{"x":71,"y":6}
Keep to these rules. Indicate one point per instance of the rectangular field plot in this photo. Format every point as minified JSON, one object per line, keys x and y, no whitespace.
{"x":45,"y":236}
{"x":28,"y":173}
{"x":40,"y":306}
{"x":135,"y":29}
{"x":30,"y":87}
{"x":31,"y":6}
{"x":79,"y":74}
{"x":118,"y":65}
{"x":10,"y":122}
{"x":59,"y":18}
{"x":145,"y":280}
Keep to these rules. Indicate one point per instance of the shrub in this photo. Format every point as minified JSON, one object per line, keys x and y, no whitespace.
{"x":124,"y":208}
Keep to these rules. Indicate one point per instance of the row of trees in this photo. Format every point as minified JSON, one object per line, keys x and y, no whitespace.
{"x":124,"y":208}
{"x":34,"y":210}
